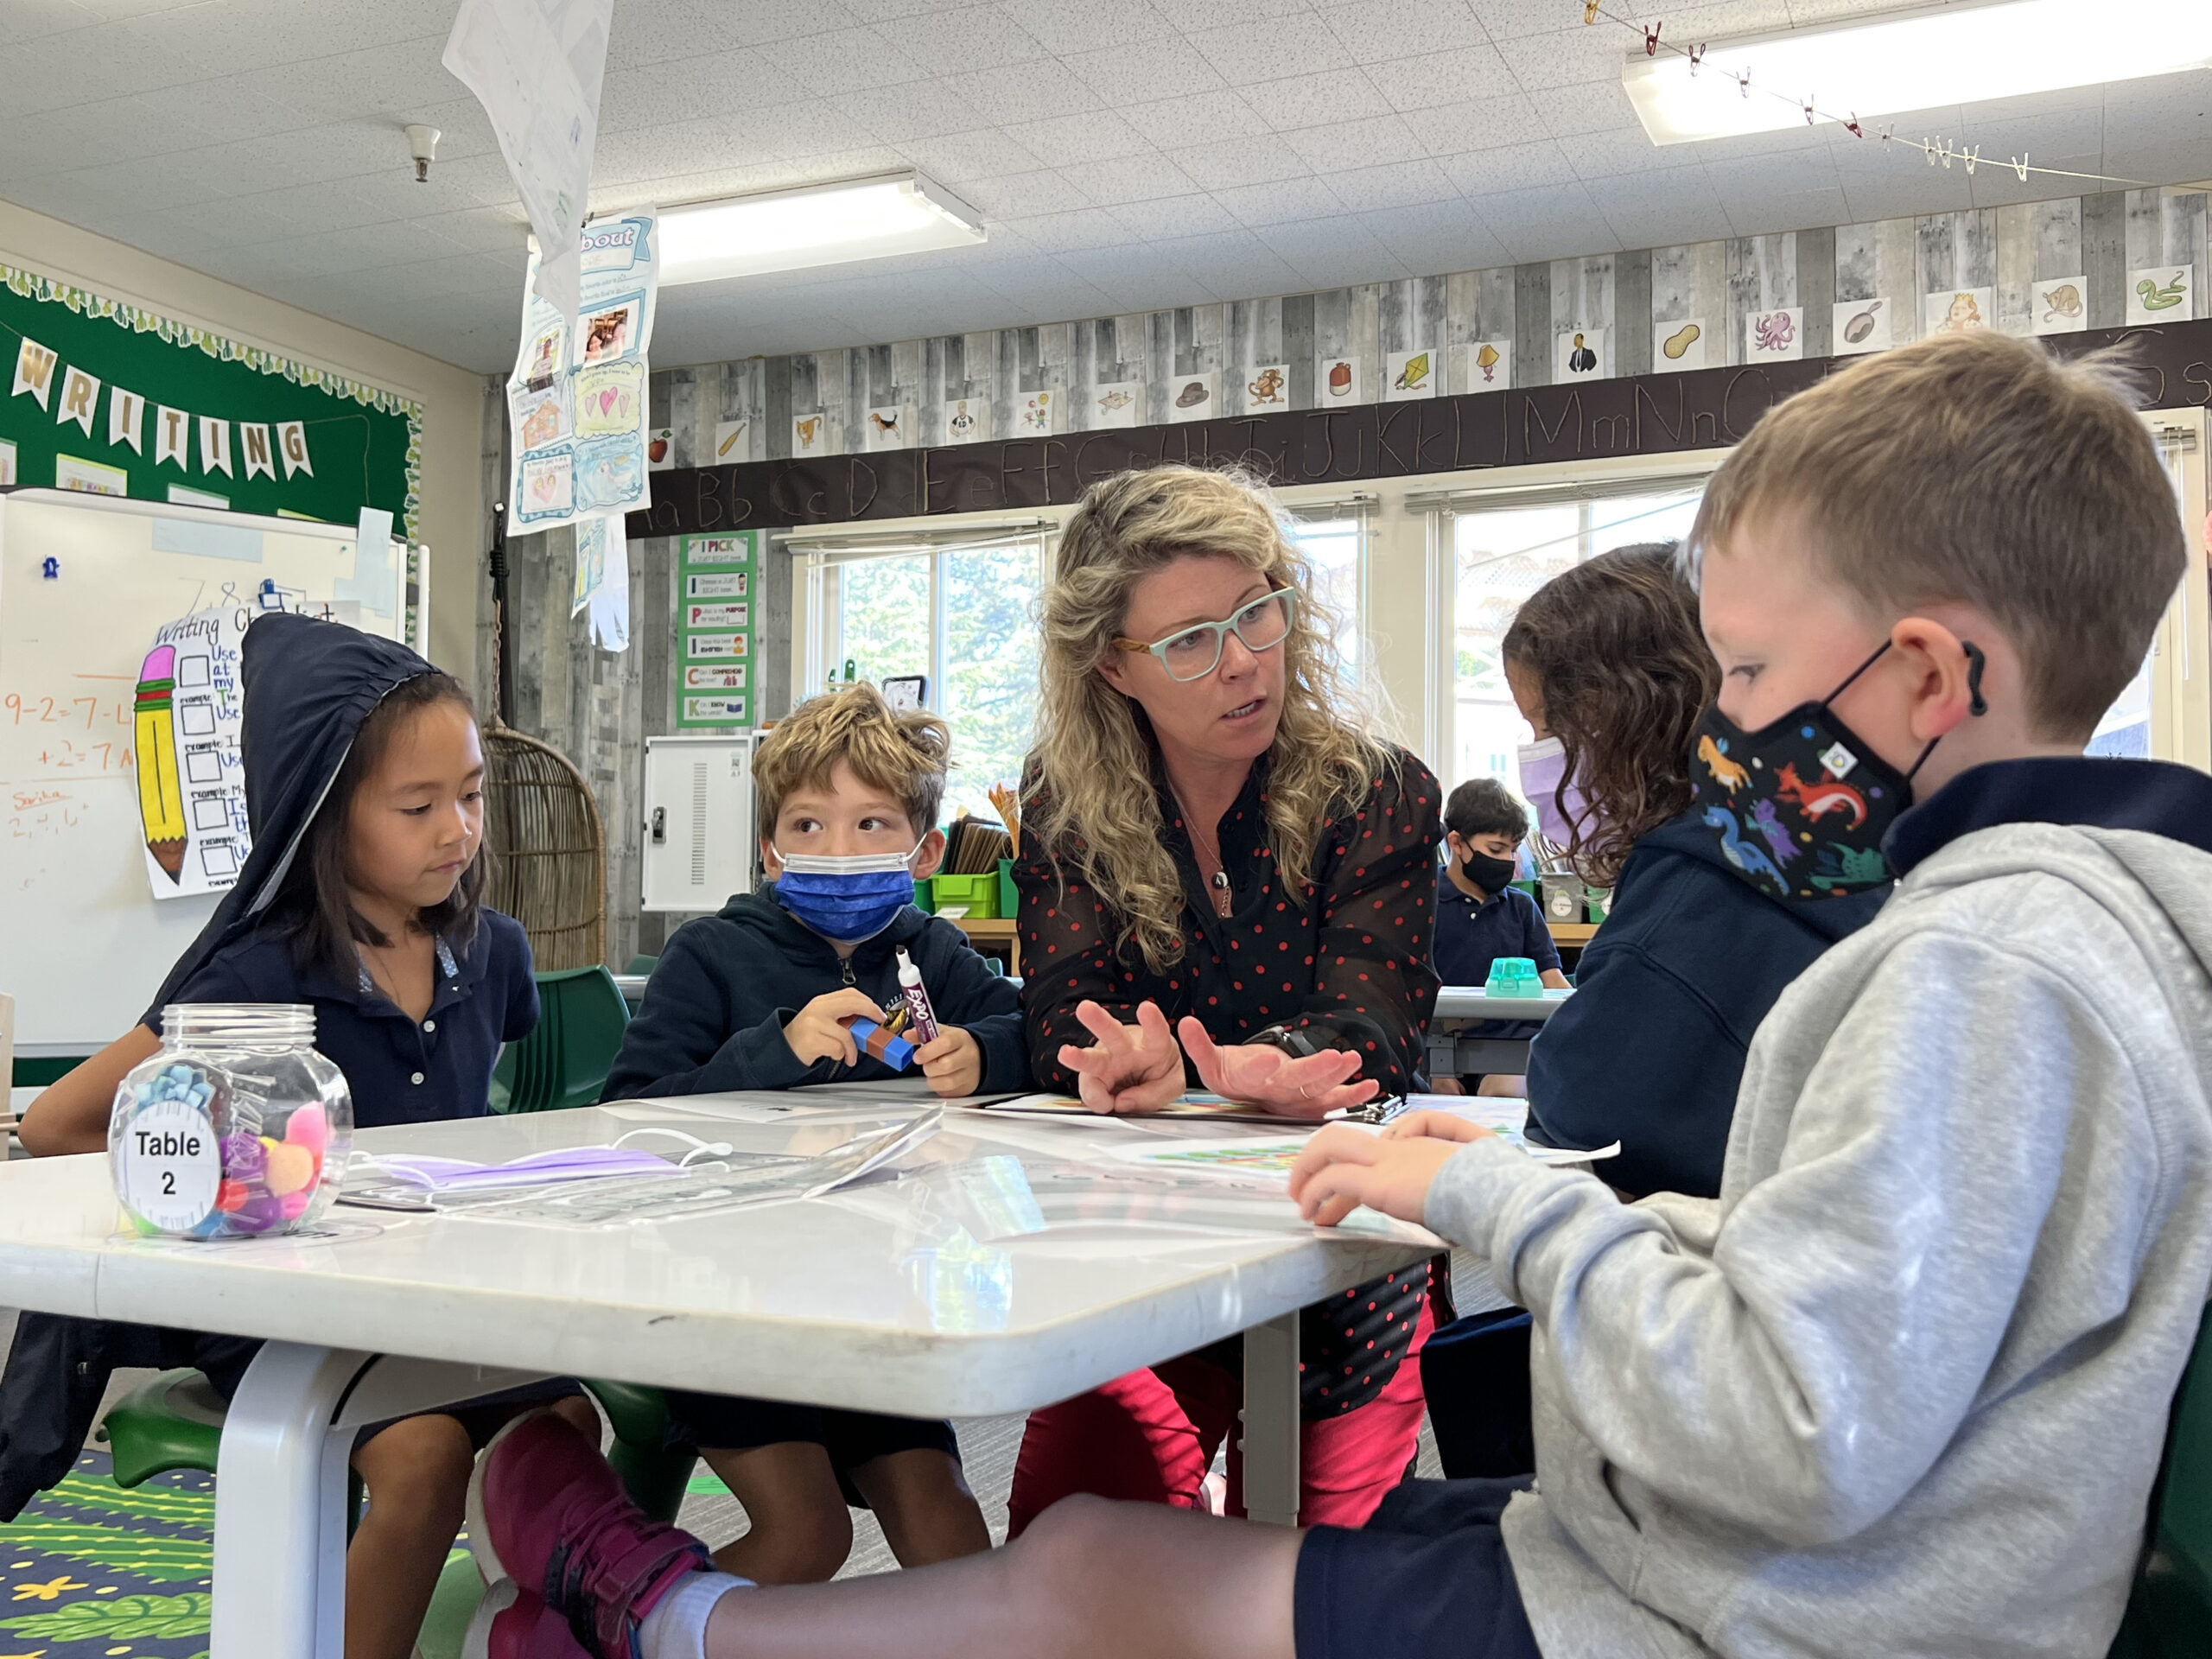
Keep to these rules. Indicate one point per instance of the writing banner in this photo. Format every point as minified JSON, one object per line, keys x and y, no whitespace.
{"x":112,"y":399}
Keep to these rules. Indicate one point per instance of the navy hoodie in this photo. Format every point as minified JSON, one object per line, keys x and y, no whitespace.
{"x":725,"y":985}
{"x":1649,"y":1050}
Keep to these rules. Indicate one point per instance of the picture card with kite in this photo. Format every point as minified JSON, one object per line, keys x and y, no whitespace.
{"x":576,"y":400}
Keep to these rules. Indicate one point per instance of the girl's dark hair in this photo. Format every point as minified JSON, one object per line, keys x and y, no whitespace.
{"x":1614,"y":647}
{"x":312,"y":905}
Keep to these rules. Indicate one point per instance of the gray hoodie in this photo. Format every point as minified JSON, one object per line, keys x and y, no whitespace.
{"x":1902,"y":1389}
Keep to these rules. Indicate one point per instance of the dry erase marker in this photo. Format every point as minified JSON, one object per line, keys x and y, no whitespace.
{"x":921,"y":1018}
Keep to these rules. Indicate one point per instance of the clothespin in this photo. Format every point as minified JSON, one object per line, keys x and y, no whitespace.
{"x":1888,"y":130}
{"x":1928,"y":149}
{"x":2020,"y":167}
{"x":1651,"y":40}
{"x":1852,"y":126}
{"x":1590,"y":12}
{"x":1808,"y":111}
{"x":1744,"y":83}
{"x":1697,"y":56}
{"x":1973,"y":156}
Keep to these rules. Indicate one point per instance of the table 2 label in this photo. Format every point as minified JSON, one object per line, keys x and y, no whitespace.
{"x":167,"y":1167}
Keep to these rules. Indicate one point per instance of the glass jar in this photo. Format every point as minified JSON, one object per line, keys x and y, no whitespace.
{"x":237,"y":1128}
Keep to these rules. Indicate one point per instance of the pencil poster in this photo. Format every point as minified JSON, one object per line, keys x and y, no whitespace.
{"x":185,"y":720}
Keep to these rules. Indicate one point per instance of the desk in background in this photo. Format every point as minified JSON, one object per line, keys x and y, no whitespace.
{"x":1451,"y":1053}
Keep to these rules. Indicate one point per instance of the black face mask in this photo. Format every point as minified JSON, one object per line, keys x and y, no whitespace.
{"x":1800,"y":806}
{"x":1491,"y":874}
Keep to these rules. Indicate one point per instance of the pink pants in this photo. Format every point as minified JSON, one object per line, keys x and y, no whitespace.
{"x":1150,"y":1437}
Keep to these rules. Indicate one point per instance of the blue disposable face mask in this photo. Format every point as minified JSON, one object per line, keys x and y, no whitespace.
{"x":847,"y":898}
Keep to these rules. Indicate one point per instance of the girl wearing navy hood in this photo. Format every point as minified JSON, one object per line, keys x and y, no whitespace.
{"x":1606,"y":662}
{"x":362,"y":896}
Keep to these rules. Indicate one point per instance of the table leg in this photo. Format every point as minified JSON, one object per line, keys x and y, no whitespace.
{"x":280,"y":1507}
{"x":1271,"y":1425}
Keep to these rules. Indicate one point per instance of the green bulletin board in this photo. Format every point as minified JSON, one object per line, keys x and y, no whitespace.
{"x":106,"y":397}
{"x":717,"y":585}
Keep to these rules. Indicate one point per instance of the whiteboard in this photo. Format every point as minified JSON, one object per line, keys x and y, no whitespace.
{"x":84,"y":946}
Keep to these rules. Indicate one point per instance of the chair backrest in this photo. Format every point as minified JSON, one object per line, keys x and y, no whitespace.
{"x":549,"y":848}
{"x":565,"y":1061}
{"x":2169,"y":1615}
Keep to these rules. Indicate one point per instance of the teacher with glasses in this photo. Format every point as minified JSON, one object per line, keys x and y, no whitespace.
{"x":1228,"y":884}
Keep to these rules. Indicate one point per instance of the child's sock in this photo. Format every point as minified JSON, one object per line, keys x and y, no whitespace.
{"x":677,"y":1629}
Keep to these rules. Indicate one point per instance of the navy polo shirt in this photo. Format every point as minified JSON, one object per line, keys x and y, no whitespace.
{"x":398,"y":1071}
{"x":1471,"y":933}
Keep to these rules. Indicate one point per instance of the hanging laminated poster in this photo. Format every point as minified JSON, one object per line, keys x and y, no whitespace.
{"x":1034,"y":415}
{"x":576,"y":400}
{"x":1679,"y":344}
{"x":967,"y":420}
{"x":1336,"y":380}
{"x":2058,"y":306}
{"x":2161,"y":293}
{"x":1777,"y":336}
{"x":1861,"y":326}
{"x":715,"y":594}
{"x":604,"y":542}
{"x":1958,"y":310}
{"x":1268,"y":392}
{"x":1114,"y":404}
{"x":732,"y":442}
{"x":1192,"y":397}
{"x":810,"y":435}
{"x":889,"y":427}
{"x":186,"y":722}
{"x":1407,"y":375}
{"x":591,"y":569}
{"x":1581,"y":354}
{"x":1484,"y":366}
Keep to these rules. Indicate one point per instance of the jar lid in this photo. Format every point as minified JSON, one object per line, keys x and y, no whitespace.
{"x":287,"y":1023}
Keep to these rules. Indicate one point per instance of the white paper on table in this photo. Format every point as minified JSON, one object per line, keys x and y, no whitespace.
{"x":536,"y":66}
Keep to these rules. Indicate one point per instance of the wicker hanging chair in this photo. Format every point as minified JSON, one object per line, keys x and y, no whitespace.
{"x":549,"y":867}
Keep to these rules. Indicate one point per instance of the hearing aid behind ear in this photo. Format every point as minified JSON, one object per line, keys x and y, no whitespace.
{"x":1975,"y":663}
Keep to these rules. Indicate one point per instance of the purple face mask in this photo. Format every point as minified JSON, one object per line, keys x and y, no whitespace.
{"x":1543,"y":769}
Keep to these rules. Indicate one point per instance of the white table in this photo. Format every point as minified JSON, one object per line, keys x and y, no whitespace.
{"x":1015,"y":1265}
{"x":1459,"y":1006}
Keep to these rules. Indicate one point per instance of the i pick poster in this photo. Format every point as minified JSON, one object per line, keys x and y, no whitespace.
{"x":576,"y":399}
{"x":185,"y":724}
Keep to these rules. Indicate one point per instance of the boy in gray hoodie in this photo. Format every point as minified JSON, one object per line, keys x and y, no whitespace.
{"x":1901,"y":1389}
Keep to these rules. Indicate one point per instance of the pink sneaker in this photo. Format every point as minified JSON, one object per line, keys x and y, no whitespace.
{"x":545,"y":1511}
{"x":512,"y":1624}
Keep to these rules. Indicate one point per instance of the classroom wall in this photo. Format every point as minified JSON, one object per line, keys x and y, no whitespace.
{"x":598,"y":708}
{"x":454,"y":503}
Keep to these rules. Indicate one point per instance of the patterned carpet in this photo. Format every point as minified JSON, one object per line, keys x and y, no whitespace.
{"x":90,"y":1569}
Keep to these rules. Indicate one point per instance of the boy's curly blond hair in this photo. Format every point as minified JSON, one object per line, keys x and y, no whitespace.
{"x":904,"y":755}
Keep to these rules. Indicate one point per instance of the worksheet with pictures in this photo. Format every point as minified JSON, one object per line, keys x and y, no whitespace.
{"x":716,"y":589}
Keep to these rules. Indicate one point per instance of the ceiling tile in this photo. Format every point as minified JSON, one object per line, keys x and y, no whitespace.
{"x":1553,"y":223}
{"x":1068,"y":233}
{"x":1287,"y":46}
{"x":1433,"y":80}
{"x":1042,"y":90}
{"x":665,"y":32}
{"x":845,"y":58}
{"x":1593,"y":106}
{"x":985,"y":152}
{"x":1139,"y":72}
{"x":1511,"y":167}
{"x":1148,"y":177}
{"x":1563,"y":56}
{"x":1402,"y":184}
{"x":1342,"y":94}
{"x":755,"y":23}
{"x":1478,"y":124}
{"x":1020,"y":195}
{"x":1372,"y":142}
{"x":1174,"y":216}
{"x":946,"y":42}
{"x":1437,"y":240}
{"x":1217,"y":117}
{"x":1072,"y":140}
{"x":1377,"y":31}
{"x":1280,"y":203}
{"x":1066,"y":26}
{"x":1259,"y":159}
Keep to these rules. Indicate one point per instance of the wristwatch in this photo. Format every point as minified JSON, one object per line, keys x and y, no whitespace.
{"x":1296,"y":1044}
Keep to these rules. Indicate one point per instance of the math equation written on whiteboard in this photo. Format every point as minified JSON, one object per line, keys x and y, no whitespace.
{"x":186,"y":720}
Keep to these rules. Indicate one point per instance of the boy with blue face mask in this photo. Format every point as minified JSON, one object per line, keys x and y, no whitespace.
{"x":763,"y":996}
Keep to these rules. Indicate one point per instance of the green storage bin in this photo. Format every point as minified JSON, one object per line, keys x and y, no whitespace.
{"x":980,"y":893}
{"x":925,"y":900}
{"x":1009,"y":906}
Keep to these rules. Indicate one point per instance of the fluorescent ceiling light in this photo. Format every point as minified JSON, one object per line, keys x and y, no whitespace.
{"x":1927,"y":60}
{"x":819,"y":224}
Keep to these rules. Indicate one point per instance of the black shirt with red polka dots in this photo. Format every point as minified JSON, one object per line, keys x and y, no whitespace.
{"x":1343,"y":957}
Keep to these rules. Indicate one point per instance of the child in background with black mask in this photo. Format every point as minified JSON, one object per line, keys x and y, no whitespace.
{"x":1480,"y":914}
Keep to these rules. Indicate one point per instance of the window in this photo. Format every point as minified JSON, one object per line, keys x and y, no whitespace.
{"x":964,"y":614}
{"x":1333,"y":548}
{"x":1502,"y":555}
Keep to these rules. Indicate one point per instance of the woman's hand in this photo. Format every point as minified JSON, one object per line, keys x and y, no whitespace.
{"x":953,"y":1063}
{"x":1310,"y":1087}
{"x":1132,"y":1068}
{"x":1343,"y":1168}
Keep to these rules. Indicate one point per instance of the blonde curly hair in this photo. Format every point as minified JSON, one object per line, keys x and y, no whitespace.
{"x":1090,"y":803}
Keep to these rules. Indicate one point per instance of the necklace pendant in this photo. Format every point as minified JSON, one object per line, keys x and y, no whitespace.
{"x":1221,"y":880}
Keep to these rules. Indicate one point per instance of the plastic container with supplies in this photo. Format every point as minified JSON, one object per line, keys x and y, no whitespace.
{"x":1562,"y":898}
{"x":924,"y":898}
{"x":978,"y":893}
{"x":237,"y":1127}
{"x":1598,"y":904}
{"x":1009,"y":903}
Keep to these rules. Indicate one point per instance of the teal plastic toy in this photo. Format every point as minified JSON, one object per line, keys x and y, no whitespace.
{"x":1513,"y":976}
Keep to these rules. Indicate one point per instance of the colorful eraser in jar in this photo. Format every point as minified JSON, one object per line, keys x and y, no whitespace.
{"x":291,"y":1169}
{"x":310,"y":1126}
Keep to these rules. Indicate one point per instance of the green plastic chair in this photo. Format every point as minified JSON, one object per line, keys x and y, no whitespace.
{"x":642,"y":963}
{"x":2170,"y":1614}
{"x":565,"y":1061}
